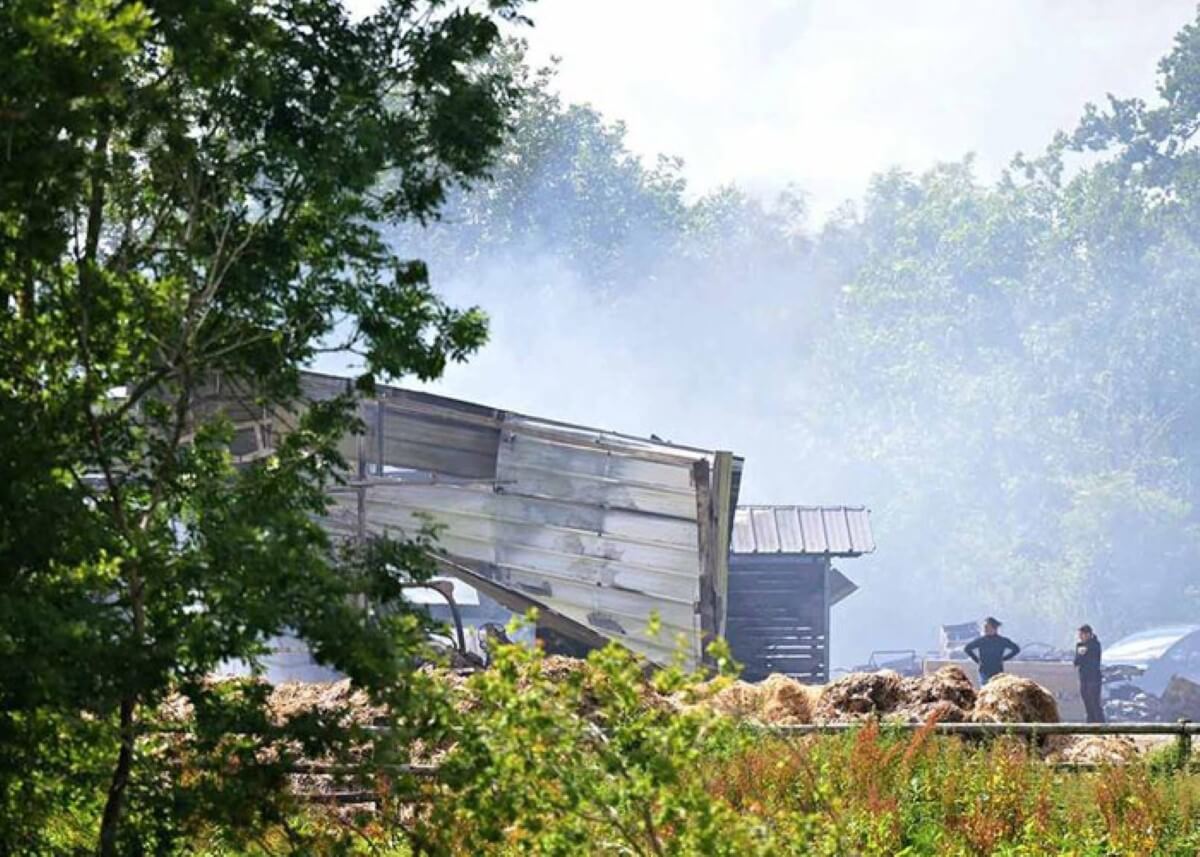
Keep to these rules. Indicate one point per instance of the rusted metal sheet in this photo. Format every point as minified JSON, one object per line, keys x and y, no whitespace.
{"x":819,"y":530}
{"x":598,"y":530}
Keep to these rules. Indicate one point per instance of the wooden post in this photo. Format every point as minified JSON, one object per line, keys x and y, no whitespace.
{"x":1184,"y":742}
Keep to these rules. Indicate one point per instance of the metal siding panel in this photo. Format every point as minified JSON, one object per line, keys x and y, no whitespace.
{"x":791,"y":537}
{"x":836,"y":531}
{"x":840,"y":586}
{"x":447,"y":502}
{"x":803,"y":530}
{"x":600,"y":529}
{"x":536,"y":453}
{"x":765,"y":535}
{"x":659,"y":558}
{"x":813,"y":526}
{"x":743,"y":532}
{"x":861,"y":537}
{"x":592,"y":491}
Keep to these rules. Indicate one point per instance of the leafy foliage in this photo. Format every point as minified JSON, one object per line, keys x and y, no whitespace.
{"x":188,"y":191}
{"x":537,"y":762}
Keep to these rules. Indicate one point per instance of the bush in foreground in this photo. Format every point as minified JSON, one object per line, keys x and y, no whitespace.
{"x":600,"y":759}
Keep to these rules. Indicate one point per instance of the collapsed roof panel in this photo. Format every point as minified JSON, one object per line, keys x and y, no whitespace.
{"x":598,"y":530}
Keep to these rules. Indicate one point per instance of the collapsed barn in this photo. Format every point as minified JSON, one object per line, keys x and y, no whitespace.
{"x":599,"y":531}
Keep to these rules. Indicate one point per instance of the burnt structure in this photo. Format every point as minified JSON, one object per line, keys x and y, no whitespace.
{"x":782,"y":585}
{"x":599,"y":531}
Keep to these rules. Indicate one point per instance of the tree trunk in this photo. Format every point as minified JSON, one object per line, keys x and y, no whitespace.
{"x":111,"y":822}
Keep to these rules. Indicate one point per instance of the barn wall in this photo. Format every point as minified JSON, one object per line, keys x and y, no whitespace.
{"x":778,"y":615}
{"x":598,"y":530}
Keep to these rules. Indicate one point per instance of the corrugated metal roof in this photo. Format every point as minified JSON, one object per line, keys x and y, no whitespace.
{"x":825,"y":530}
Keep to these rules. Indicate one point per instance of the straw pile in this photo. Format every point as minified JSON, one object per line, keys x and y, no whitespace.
{"x":785,"y":701}
{"x":859,"y":695}
{"x":1012,"y":699}
{"x":946,"y":696}
{"x":740,"y":699}
{"x":293,"y":698}
{"x":1091,"y":749}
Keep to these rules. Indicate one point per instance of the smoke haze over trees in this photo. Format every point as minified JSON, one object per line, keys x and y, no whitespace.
{"x":1007,"y":374}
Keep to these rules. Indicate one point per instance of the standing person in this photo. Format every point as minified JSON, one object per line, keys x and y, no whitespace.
{"x":991,"y":650}
{"x":1087,"y":661}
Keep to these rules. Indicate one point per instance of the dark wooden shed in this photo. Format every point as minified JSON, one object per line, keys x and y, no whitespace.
{"x":782,"y":584}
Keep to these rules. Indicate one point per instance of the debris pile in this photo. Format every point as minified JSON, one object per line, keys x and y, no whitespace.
{"x":1181,"y":699}
{"x":859,"y":695}
{"x":1091,"y":749}
{"x":740,"y":699}
{"x":785,"y":701}
{"x":777,"y":700}
{"x":1013,"y":699}
{"x":294,"y":698}
{"x":946,"y":696}
{"x":1127,"y":703}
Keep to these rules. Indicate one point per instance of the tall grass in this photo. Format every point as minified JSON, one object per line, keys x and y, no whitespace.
{"x":870,"y":792}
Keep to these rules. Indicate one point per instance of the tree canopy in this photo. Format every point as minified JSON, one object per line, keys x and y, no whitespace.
{"x":191,"y":191}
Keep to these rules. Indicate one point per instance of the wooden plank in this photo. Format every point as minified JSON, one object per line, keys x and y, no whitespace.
{"x":706,"y":539}
{"x":722,"y":520}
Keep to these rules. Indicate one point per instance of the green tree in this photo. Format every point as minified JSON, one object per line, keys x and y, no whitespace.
{"x":187,"y":191}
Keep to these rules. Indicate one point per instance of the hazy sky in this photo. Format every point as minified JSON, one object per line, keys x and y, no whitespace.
{"x":766,"y":93}
{"x":824,"y":93}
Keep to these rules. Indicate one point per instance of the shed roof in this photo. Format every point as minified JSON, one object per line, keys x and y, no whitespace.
{"x":822,"y":530}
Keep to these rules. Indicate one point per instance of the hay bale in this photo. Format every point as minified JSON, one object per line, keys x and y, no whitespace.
{"x":859,"y":695}
{"x":740,"y":699}
{"x":1013,"y":699}
{"x":948,"y":684}
{"x":941,"y":711}
{"x":293,"y":698}
{"x":785,"y":701}
{"x":562,"y":667}
{"x":1092,"y":750}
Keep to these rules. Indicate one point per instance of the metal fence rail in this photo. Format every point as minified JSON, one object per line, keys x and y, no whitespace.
{"x":1183,"y":728}
{"x":1182,"y":731}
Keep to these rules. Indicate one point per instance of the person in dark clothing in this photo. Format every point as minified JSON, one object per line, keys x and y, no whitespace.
{"x":1087,"y":661}
{"x":991,"y":650}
